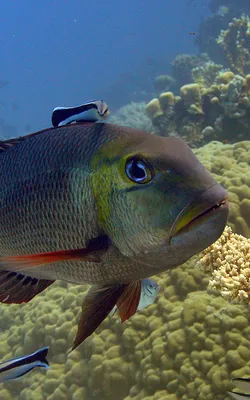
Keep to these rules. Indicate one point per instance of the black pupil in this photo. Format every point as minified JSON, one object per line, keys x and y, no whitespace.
{"x":137,"y":170}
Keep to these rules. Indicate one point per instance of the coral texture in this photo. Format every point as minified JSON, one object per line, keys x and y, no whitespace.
{"x":230,"y":166}
{"x":223,"y":106}
{"x":132,"y":115}
{"x":227,"y":261}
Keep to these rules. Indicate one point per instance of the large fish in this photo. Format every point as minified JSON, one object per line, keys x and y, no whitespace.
{"x":104,"y":205}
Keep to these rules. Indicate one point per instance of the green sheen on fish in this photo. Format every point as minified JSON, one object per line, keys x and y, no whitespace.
{"x":104,"y":205}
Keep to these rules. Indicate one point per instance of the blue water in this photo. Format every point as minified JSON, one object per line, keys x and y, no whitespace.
{"x":58,"y":52}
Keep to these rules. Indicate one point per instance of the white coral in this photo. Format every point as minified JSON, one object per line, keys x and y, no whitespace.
{"x":228,"y":263}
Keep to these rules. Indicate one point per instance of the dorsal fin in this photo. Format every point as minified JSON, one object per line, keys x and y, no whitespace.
{"x":9,"y":143}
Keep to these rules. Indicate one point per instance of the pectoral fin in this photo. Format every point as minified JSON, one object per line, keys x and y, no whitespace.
{"x":100,"y":301}
{"x":97,"y":305}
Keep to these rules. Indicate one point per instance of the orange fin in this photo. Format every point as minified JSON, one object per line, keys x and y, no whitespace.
{"x":18,"y":288}
{"x":91,"y":253}
{"x":128,"y":303}
{"x":97,"y":305}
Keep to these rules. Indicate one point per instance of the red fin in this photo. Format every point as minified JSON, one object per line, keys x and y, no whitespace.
{"x":20,"y":263}
{"x":97,"y":305}
{"x":18,"y":288}
{"x":128,"y":303}
{"x":91,"y":253}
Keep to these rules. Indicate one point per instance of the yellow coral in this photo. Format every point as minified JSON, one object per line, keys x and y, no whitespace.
{"x":153,"y":109}
{"x":225,"y":77}
{"x":230,"y":166}
{"x":228,"y":263}
{"x":166,"y":100}
{"x":191,"y":95}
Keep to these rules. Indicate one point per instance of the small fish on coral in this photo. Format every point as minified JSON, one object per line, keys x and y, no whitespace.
{"x":17,"y":367}
{"x":149,"y":291}
{"x":227,"y":261}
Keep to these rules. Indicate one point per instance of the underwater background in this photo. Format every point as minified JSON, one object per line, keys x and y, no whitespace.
{"x":174,"y":68}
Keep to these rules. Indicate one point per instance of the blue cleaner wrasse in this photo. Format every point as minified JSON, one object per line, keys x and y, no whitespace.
{"x":149,"y":291}
{"x":93,"y":111}
{"x":104,"y":205}
{"x":17,"y":367}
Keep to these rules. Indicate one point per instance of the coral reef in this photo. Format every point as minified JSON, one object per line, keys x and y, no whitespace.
{"x":206,"y":74}
{"x":235,"y":41}
{"x":182,"y":65}
{"x":132,"y":115}
{"x":205,"y":111}
{"x":227,"y":261}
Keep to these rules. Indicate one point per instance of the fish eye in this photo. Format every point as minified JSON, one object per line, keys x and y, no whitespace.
{"x":138,"y":170}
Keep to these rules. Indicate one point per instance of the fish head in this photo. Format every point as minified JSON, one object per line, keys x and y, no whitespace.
{"x":102,"y":109}
{"x":155,"y":200}
{"x":150,"y":288}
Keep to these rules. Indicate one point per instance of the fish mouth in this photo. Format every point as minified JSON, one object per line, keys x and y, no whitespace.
{"x":210,"y":203}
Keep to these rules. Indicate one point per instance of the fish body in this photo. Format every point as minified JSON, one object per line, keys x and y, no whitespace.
{"x":93,"y":111}
{"x":17,"y":367}
{"x":149,"y":291}
{"x":104,"y":205}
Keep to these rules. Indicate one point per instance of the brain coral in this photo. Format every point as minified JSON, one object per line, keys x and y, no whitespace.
{"x":186,"y":346}
{"x":230,"y":166}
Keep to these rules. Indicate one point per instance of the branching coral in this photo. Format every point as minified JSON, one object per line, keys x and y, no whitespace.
{"x":206,"y":74}
{"x":235,"y":42}
{"x":227,"y":261}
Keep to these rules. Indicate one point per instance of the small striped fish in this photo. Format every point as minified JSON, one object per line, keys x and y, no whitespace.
{"x":92,"y":111}
{"x":17,"y":367}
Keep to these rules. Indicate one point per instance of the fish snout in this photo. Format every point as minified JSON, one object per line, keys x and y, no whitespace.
{"x":213,"y":202}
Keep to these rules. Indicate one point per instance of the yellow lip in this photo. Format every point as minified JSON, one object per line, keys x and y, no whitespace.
{"x":207,"y":203}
